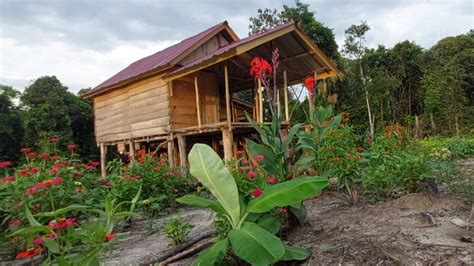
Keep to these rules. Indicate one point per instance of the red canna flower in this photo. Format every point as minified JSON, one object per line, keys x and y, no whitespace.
{"x":260,"y":68}
{"x":71,"y":146}
{"x":336,"y":159}
{"x":14,"y":223}
{"x":257,"y":193}
{"x":389,"y":128}
{"x":309,"y":83}
{"x":25,"y":150}
{"x":38,"y":241}
{"x":31,"y":155}
{"x":5,"y":164}
{"x":109,"y":237}
{"x":54,"y":139}
{"x":272,"y":180}
{"x":259,"y":158}
{"x":251,"y":175}
{"x":29,"y":253}
{"x":44,"y":155}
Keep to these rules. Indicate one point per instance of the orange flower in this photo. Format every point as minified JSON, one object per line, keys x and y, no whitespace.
{"x":109,"y":237}
{"x":29,"y":253}
{"x":336,"y":159}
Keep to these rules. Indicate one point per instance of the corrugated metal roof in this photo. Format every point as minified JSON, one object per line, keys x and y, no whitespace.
{"x":154,"y":61}
{"x":226,"y":48}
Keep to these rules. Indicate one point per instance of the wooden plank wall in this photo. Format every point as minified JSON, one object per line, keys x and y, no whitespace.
{"x":138,"y":110}
{"x":211,"y":45}
{"x":183,"y":102}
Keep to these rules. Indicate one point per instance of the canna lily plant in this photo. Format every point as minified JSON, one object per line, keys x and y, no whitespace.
{"x":252,"y":236}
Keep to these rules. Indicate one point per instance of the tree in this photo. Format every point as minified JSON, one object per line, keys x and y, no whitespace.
{"x":354,"y":47}
{"x":11,"y":130}
{"x":322,"y":36}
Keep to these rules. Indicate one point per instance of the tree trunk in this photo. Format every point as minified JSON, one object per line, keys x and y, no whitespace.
{"x":371,"y":118}
{"x":433,"y":125}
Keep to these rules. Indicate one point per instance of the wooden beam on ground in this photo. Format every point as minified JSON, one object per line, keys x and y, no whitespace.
{"x":103,"y":151}
{"x":227,"y":143}
{"x":182,"y":151}
{"x":260,"y":102}
{"x":227,"y":97}
{"x":285,"y":90}
{"x":198,"y":103}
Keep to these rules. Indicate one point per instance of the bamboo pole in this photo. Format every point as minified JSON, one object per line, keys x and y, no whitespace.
{"x":103,"y":151}
{"x":260,"y":101}
{"x":198,"y":105}
{"x":227,"y":97}
{"x":285,"y":90}
{"x":257,"y":104}
{"x":132,"y":148}
{"x":227,"y":143}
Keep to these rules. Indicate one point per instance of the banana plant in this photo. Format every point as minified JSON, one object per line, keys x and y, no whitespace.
{"x":252,"y":237}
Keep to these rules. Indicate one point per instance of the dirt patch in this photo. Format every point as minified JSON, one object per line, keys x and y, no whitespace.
{"x":416,"y":228}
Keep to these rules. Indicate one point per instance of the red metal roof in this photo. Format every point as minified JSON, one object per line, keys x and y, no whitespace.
{"x":154,"y":61}
{"x":228,"y":47}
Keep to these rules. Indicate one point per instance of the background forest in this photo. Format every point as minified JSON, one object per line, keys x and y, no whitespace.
{"x":376,"y":86}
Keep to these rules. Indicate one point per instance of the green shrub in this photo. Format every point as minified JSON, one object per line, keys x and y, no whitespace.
{"x":177,"y":231}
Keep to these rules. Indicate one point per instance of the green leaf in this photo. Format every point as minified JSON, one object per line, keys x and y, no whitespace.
{"x":31,"y":229}
{"x":295,"y":253}
{"x":72,"y":207}
{"x":209,"y":169}
{"x":299,"y":213}
{"x":287,"y":193}
{"x":256,"y":245}
{"x":31,"y":219}
{"x":213,"y":255}
{"x":269,"y":223}
{"x":268,"y":155}
{"x":290,"y":136}
{"x":304,"y":161}
{"x":201,"y":202}
{"x":52,"y":245}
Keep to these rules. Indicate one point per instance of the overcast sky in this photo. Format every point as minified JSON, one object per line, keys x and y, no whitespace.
{"x":85,"y":42}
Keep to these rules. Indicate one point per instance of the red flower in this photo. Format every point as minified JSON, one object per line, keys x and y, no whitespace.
{"x":31,"y":155}
{"x":257,"y":193}
{"x":62,"y":223}
{"x":109,"y":237}
{"x":53,"y":171}
{"x":31,"y":191}
{"x":360,"y":149}
{"x":259,"y":158}
{"x":71,"y":146}
{"x":336,"y":159}
{"x":272,"y":180}
{"x":23,"y":172}
{"x":38,"y":241}
{"x":7,"y":179}
{"x":105,"y":182}
{"x":55,"y":158}
{"x":51,"y":235}
{"x":54,"y":139}
{"x":95,"y":164}
{"x":25,"y":150}
{"x":90,"y":167}
{"x":244,"y":162}
{"x":399,"y":128}
{"x":260,"y":68}
{"x":15,"y":223}
{"x":251,"y":175}
{"x":5,"y":164}
{"x":29,"y":253}
{"x":369,"y":141}
{"x":309,"y":83}
{"x":77,"y":174}
{"x":33,"y":170}
{"x":240,"y":153}
{"x":283,"y":211}
{"x":44,"y":155}
{"x":57,"y":180}
{"x":389,"y":128}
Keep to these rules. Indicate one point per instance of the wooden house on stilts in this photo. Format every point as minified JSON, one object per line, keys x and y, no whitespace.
{"x":186,"y":93}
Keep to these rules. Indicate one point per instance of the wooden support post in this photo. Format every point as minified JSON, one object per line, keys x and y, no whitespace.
{"x":285,"y":90}
{"x":103,"y":151}
{"x":182,"y":151}
{"x":171,"y":151}
{"x":227,"y":98}
{"x":131,"y":145}
{"x":260,"y":101}
{"x":198,"y":103}
{"x":227,"y":143}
